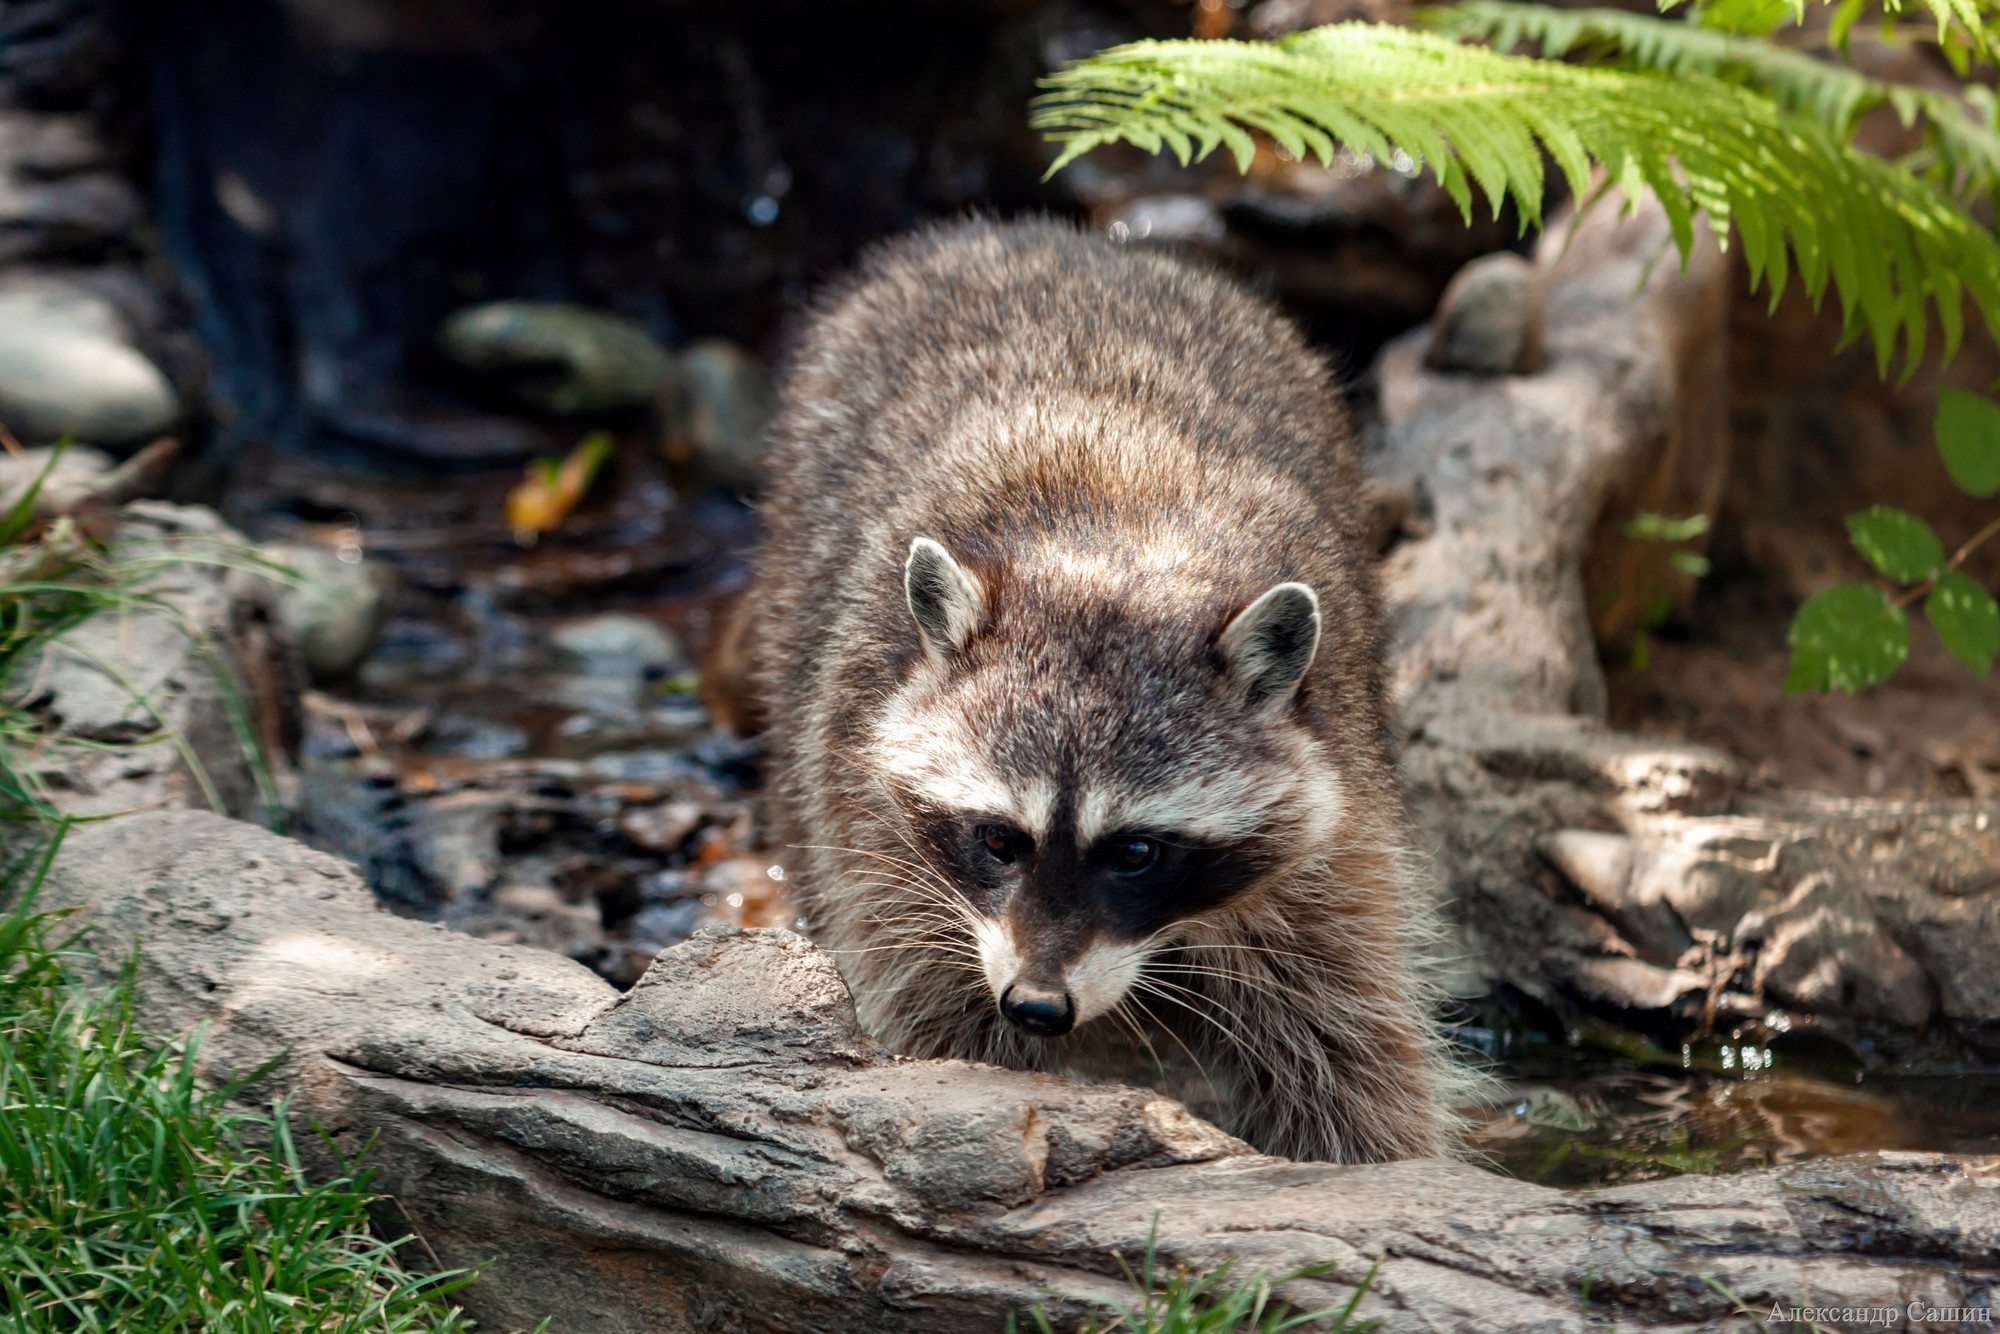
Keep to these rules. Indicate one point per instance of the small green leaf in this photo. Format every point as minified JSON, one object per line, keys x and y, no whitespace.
{"x":1968,"y":435}
{"x":1897,"y":543}
{"x":1755,"y":18}
{"x":1689,"y":563}
{"x":1650,"y":527}
{"x":1967,"y":619}
{"x":1847,"y":637}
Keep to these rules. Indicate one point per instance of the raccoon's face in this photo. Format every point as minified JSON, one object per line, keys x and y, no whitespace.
{"x":1086,"y":772}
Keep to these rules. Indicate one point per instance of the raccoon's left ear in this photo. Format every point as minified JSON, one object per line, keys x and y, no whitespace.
{"x":944,"y":596}
{"x":1271,"y":642}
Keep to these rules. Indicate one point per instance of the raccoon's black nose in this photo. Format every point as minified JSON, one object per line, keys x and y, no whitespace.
{"x":1046,"y":1014}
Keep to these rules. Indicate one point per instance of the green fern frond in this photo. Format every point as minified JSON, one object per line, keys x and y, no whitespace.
{"x":1890,"y":244}
{"x":1965,"y":149}
{"x":1962,"y":25}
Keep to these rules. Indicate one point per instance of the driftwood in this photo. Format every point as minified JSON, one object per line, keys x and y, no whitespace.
{"x":720,"y":1148}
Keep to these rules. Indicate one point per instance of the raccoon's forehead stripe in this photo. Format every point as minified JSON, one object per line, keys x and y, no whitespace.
{"x":1220,"y":806}
{"x":930,"y":757}
{"x":1216,"y":807}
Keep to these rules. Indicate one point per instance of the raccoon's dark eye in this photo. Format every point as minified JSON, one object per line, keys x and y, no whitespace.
{"x":1132,"y":856}
{"x":1002,"y":843}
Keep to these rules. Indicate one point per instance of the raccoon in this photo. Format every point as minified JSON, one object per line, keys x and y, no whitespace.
{"x":1065,"y":639}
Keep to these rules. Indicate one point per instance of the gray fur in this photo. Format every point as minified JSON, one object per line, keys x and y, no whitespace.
{"x":1123,"y":452}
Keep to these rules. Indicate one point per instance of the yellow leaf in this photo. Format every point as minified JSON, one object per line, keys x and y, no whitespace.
{"x":540,"y":502}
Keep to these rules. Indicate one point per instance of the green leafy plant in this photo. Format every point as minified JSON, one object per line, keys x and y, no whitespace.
{"x":1176,"y":1302}
{"x":1648,"y":527}
{"x":1962,"y":154}
{"x":133,"y":1198}
{"x":1855,"y":635}
{"x":1894,"y":246}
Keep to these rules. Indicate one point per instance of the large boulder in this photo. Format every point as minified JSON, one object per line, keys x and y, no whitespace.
{"x":721,"y":1148}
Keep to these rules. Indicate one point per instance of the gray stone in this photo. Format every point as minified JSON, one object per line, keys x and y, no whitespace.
{"x":661,"y":828}
{"x":197,"y":663}
{"x":55,"y":193}
{"x":720,"y":1148}
{"x":560,"y":358}
{"x":1494,"y":666}
{"x":717,"y":431}
{"x":67,"y":368}
{"x":335,"y":607}
{"x":1489,"y":320}
{"x":1863,"y":915}
{"x":617,"y":644}
{"x":1497,"y":671}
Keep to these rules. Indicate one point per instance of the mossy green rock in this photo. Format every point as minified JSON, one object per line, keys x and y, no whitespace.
{"x":561,"y":358}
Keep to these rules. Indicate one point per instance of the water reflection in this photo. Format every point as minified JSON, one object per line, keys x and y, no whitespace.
{"x":1585,"y":1119}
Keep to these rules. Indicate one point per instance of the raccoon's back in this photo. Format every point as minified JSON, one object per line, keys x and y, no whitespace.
{"x":939,"y":357}
{"x":992,"y":385}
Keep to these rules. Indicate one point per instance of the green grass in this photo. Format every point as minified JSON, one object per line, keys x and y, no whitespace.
{"x":132,"y":1199}
{"x":1177,"y":1302}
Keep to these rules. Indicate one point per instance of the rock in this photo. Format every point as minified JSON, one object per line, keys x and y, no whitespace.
{"x":616,"y":644}
{"x":534,"y":915}
{"x":560,"y":358}
{"x":1605,"y":867}
{"x":337,"y":607}
{"x":1846,"y":912}
{"x":1489,"y":320}
{"x":56,"y":196}
{"x":720,"y":1148}
{"x":78,"y":466}
{"x":198,"y":662}
{"x":662,"y":828}
{"x":66,"y":368}
{"x":718,"y":430}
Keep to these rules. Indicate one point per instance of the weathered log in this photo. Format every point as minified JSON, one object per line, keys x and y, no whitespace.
{"x":721,"y":1148}
{"x":1854,"y":915}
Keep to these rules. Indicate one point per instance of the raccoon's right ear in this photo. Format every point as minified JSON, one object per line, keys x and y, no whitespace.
{"x":1271,"y":642}
{"x":946,"y":599}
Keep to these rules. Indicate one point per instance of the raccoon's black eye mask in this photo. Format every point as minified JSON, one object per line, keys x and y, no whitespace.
{"x":1133,"y":882}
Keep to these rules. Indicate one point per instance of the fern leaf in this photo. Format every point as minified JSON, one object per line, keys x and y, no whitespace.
{"x":1962,"y":25}
{"x":1967,"y":148}
{"x":1890,"y":244}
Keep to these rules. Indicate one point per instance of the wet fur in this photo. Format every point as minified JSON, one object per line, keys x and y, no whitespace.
{"x":1124,"y":451}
